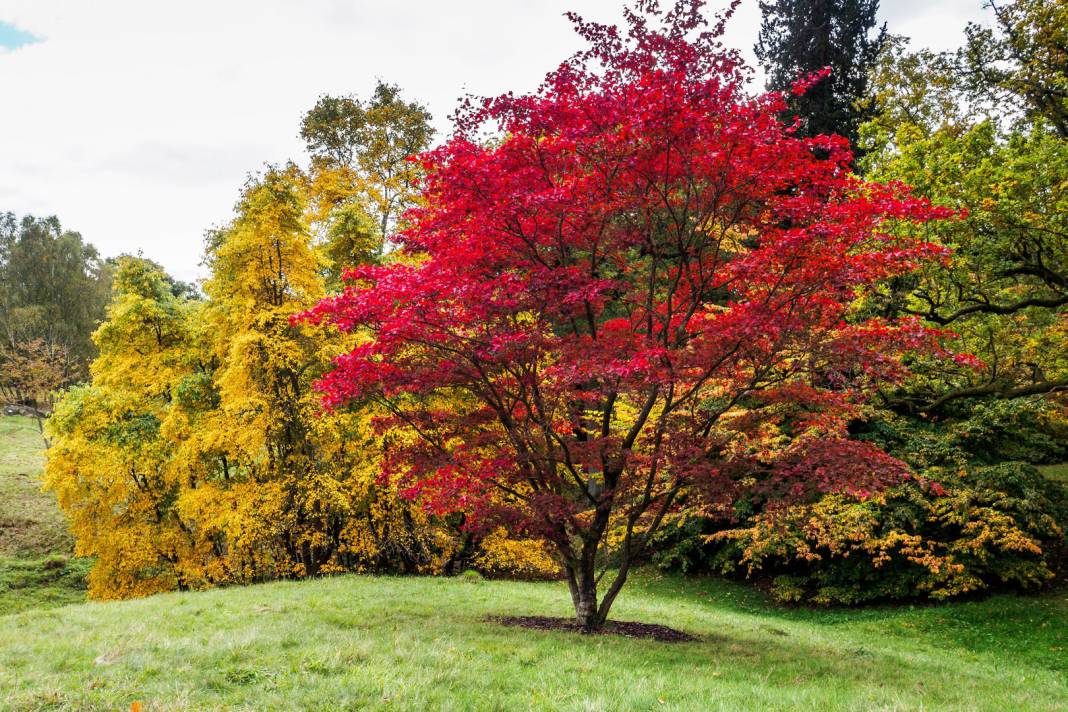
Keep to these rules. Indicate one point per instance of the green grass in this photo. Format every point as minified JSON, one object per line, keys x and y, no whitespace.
{"x":1056,"y":472}
{"x":36,"y":568}
{"x":41,"y":583}
{"x":356,"y":642}
{"x":30,"y":523}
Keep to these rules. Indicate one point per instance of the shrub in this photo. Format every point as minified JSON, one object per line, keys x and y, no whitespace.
{"x":992,"y":527}
{"x":502,"y":556}
{"x":1033,"y":430}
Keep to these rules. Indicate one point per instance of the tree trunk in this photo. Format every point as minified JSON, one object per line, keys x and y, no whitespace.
{"x":584,"y":596}
{"x":39,"y":416}
{"x":581,"y":573}
{"x":460,"y":558}
{"x":582,"y":580}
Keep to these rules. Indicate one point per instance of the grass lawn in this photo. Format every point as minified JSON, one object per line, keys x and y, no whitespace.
{"x":355,"y":642}
{"x":31,"y":524}
{"x":1056,"y":472}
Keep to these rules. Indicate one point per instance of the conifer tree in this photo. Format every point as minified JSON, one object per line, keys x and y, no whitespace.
{"x":800,"y":37}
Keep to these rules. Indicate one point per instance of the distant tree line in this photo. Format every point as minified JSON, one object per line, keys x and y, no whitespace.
{"x":53,"y":291}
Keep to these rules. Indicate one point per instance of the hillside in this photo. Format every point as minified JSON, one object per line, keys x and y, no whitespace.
{"x":36,"y":566}
{"x":30,"y":523}
{"x":363,"y":642}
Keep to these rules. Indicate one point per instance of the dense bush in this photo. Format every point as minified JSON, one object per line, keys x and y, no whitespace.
{"x":500,"y":555}
{"x":990,"y":527}
{"x":1033,"y":430}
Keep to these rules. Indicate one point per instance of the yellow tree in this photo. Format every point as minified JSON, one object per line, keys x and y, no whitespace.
{"x":297,"y":493}
{"x":108,"y":463}
{"x":278,"y":518}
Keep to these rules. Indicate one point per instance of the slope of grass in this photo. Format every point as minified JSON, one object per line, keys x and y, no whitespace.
{"x":362,"y":642}
{"x":356,"y":642}
{"x":31,"y":525}
{"x":36,"y":568}
{"x":41,"y":583}
{"x":1056,"y":472}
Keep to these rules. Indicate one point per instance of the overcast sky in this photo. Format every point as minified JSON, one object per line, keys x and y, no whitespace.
{"x":136,"y":122}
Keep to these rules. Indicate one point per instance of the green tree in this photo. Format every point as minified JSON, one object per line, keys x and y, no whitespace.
{"x":1005,"y":289}
{"x":1021,"y":60}
{"x":799,"y":37}
{"x":53,"y":288}
{"x":364,"y":146}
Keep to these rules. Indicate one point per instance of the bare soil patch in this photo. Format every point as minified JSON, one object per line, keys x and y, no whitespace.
{"x":630,"y":629}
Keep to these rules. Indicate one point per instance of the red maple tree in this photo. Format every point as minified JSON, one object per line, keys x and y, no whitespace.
{"x":630,"y":290}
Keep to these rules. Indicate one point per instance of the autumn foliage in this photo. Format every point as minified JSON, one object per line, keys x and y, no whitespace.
{"x":198,"y":454}
{"x":994,"y":526}
{"x":626,"y":292}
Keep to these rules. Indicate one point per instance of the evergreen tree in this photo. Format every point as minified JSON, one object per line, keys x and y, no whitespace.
{"x":798,"y":37}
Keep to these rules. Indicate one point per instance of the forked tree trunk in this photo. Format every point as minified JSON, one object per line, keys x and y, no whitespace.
{"x":581,"y":566}
{"x":582,"y":580}
{"x":591,"y":613}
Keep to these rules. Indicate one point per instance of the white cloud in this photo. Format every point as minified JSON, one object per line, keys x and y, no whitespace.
{"x":936,"y":24}
{"x":136,"y":122}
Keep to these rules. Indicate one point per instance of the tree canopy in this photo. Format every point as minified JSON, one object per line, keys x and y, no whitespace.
{"x":53,"y":289}
{"x":639,"y":309}
{"x":947,"y":126}
{"x":367,"y":144}
{"x":640,"y":291}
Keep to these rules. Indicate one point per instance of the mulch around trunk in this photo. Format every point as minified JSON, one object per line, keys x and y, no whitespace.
{"x":630,"y":629}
